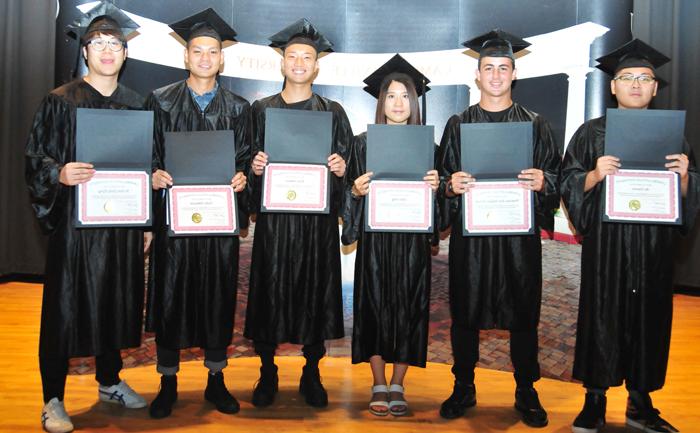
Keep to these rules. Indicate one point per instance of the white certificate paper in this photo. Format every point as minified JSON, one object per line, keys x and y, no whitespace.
{"x":650,"y":196}
{"x":405,"y":206}
{"x":295,"y":188}
{"x":115,"y":198}
{"x":202,"y":210}
{"x":497,"y":208}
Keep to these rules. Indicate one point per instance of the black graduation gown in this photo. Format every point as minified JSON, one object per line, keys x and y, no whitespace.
{"x":295,"y":292}
{"x":392,"y":282}
{"x":496,"y":281}
{"x":626,"y":299}
{"x":94,"y":280}
{"x":193,"y":280}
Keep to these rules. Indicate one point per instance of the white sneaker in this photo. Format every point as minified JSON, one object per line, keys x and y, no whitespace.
{"x":54,"y":417}
{"x":122,"y":394}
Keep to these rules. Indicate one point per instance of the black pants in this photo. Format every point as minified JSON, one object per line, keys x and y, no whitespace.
{"x":55,"y":369}
{"x":169,"y":359}
{"x":312,"y":352}
{"x":523,"y":354}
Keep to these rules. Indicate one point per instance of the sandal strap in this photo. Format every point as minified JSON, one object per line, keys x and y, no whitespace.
{"x":382,"y":403}
{"x":379,"y":388}
{"x":395,"y":387}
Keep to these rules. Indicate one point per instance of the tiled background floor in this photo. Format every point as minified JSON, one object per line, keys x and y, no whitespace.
{"x":557,"y":324}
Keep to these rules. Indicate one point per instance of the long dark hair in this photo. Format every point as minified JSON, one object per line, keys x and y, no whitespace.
{"x":414,"y":118}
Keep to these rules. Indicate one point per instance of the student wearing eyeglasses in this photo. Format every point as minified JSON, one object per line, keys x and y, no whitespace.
{"x":626,"y":296}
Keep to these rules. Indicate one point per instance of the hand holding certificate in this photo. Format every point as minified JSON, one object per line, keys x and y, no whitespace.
{"x":201,"y":200}
{"x":115,"y":148}
{"x":400,"y":193}
{"x":297,"y":146}
{"x":497,"y":165}
{"x":641,"y":186}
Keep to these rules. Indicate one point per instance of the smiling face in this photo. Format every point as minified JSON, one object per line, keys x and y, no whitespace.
{"x":496,"y":75}
{"x":204,"y":57}
{"x":105,"y":63}
{"x":397,"y":105}
{"x":634,"y":94}
{"x":299,"y":64}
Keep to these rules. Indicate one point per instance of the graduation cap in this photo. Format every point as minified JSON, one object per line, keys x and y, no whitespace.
{"x":398,"y":64}
{"x":497,"y":43}
{"x":301,"y":32}
{"x":633,"y":54}
{"x":204,"y":23}
{"x":106,"y":18}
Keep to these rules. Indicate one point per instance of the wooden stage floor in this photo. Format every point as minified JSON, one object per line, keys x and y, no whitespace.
{"x":348,"y":387}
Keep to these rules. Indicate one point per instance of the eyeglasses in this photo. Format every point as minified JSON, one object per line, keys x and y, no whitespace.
{"x":631,"y":78}
{"x":100,"y":44}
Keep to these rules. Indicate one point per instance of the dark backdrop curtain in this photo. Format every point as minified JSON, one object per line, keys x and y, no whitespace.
{"x":672,"y":27}
{"x":27,"y":46}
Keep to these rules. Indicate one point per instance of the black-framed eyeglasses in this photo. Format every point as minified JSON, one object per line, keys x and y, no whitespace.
{"x":631,"y":78}
{"x":99,"y":44}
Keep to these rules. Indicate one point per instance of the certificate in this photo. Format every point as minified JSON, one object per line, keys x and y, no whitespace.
{"x":295,"y":188}
{"x":114,"y":198}
{"x":642,"y":196}
{"x":399,"y":206}
{"x":202,"y":210}
{"x":497,"y":208}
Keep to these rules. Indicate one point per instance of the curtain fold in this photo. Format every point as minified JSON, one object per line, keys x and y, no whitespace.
{"x":27,"y":45}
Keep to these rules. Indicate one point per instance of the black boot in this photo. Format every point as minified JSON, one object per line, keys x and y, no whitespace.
{"x":528,"y":404}
{"x":592,"y":416}
{"x":266,"y":388}
{"x":217,"y":394}
{"x":311,"y":388}
{"x":463,"y":397}
{"x":641,"y":414}
{"x":162,"y":405}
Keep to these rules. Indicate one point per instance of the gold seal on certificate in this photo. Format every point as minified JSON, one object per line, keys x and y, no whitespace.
{"x":196,"y":217}
{"x":291,"y":195}
{"x":108,"y":206}
{"x":642,"y":196}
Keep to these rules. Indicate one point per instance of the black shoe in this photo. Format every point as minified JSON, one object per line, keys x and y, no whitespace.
{"x":162,"y":405}
{"x":643,"y":416}
{"x":217,"y":394}
{"x":463,"y":397}
{"x":592,"y":416}
{"x":266,"y":388}
{"x":528,"y":404}
{"x":311,"y":388}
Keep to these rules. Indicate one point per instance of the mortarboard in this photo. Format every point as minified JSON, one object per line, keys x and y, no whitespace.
{"x":633,"y":54}
{"x":497,"y":43}
{"x":398,"y":64}
{"x":103,"y":17}
{"x":204,"y":23}
{"x":301,"y":32}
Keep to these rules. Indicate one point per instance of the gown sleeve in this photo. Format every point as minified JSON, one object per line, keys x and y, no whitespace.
{"x":44,"y":159}
{"x":580,"y":158}
{"x":547,"y":157}
{"x":448,"y":162}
